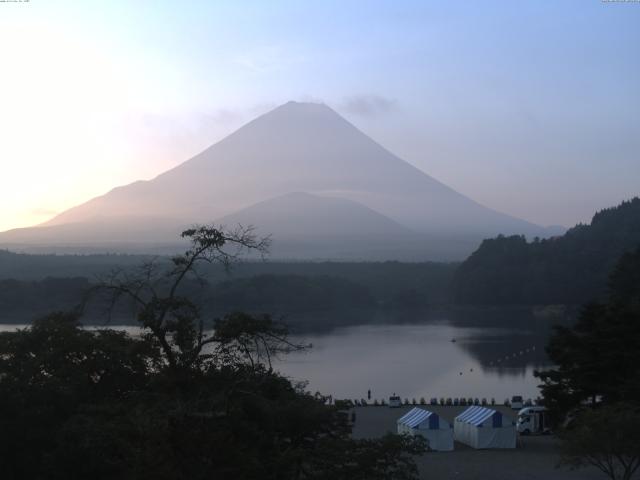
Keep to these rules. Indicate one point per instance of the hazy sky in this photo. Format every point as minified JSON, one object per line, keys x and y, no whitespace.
{"x":532,"y":108}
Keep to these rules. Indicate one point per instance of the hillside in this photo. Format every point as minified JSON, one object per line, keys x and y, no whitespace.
{"x":570,"y":269}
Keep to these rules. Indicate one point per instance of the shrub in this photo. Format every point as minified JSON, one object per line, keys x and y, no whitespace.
{"x":343,"y":404}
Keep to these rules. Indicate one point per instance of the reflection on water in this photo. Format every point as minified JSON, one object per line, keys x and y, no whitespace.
{"x":453,"y":354}
{"x":442,"y":358}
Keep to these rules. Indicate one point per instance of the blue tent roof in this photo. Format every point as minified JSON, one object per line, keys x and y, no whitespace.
{"x":477,"y":415}
{"x":416,"y":416}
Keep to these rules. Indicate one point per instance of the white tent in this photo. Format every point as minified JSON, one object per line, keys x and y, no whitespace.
{"x":481,"y":427}
{"x":435,"y":430}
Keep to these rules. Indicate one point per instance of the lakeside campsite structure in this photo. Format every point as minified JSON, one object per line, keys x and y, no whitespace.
{"x":481,"y":427}
{"x":437,"y":431}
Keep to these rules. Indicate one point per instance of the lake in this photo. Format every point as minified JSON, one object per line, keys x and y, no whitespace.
{"x":490,"y":355}
{"x":417,"y":361}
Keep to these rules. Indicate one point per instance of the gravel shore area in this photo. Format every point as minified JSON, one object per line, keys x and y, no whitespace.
{"x":535,"y":458}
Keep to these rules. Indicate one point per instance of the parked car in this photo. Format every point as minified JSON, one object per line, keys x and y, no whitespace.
{"x":516,"y":402}
{"x":395,"y":401}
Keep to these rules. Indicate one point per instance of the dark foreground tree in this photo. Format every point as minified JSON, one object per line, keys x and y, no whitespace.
{"x":177,"y":402}
{"x":607,"y":438}
{"x":53,"y":371}
{"x":594,"y":391}
{"x":157,"y":296}
{"x":598,"y":359}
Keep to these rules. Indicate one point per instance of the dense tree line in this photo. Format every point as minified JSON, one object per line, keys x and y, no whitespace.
{"x":386,"y":281}
{"x":178,"y":402}
{"x":595,"y":386}
{"x":571,"y":269}
{"x":24,"y":266}
{"x":290,"y":293}
{"x":598,"y":359}
{"x":283,"y":294}
{"x":22,"y":301}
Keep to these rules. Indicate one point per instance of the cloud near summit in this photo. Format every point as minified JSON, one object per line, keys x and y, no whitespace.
{"x":368,"y":105}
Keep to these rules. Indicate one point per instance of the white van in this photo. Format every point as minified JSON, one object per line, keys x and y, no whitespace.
{"x":533,"y":421}
{"x":395,"y":401}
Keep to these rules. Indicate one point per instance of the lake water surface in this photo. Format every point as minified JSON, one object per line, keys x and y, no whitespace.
{"x":417,"y":361}
{"x":490,"y":359}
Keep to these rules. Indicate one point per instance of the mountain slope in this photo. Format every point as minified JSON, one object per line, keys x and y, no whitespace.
{"x":308,"y":215}
{"x":310,"y":226}
{"x":569,"y":269}
{"x":130,"y":233}
{"x":298,"y":147}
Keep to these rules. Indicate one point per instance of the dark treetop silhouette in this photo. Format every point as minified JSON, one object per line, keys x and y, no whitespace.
{"x":174,"y":403}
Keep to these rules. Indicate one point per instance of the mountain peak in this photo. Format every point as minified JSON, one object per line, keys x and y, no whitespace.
{"x":303,"y":112}
{"x":294,"y":105}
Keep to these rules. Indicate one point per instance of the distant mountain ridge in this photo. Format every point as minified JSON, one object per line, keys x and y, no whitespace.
{"x":304,"y":214}
{"x":569,"y":269}
{"x":297,"y":147}
{"x":310,"y":226}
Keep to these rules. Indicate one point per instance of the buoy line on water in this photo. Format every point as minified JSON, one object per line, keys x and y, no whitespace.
{"x":512,"y":356}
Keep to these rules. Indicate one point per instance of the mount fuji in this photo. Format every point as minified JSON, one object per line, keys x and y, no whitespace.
{"x":300,"y":172}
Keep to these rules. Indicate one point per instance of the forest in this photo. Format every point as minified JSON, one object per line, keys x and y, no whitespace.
{"x":570,"y":269}
{"x":293,"y":289}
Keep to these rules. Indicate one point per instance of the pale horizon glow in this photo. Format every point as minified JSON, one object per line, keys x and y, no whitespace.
{"x":530,"y":108}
